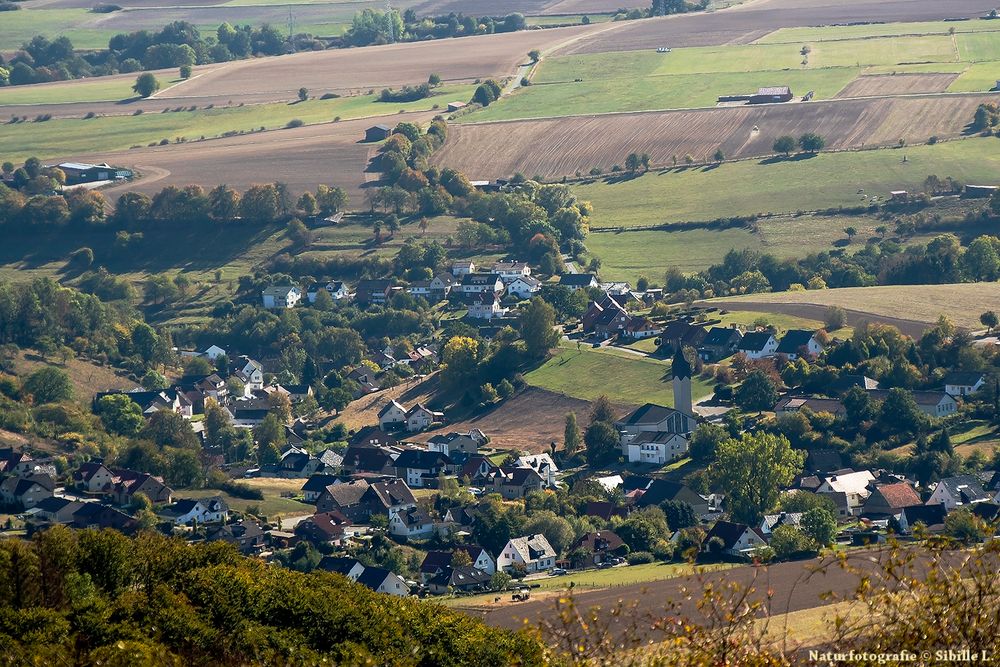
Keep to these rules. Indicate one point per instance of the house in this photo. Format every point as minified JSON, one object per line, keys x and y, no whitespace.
{"x":930,"y":516}
{"x":512,"y":270}
{"x":678,"y":334}
{"x":378,"y":133}
{"x":935,"y":404}
{"x":846,"y":381}
{"x":772,"y":521}
{"x":342,"y":565}
{"x":524,"y":287}
{"x":655,"y":419}
{"x":150,"y":402}
{"x":457,"y":443}
{"x":372,"y":436}
{"x":392,"y":416}
{"x":249,"y":413}
{"x":639,"y":328}
{"x":478,"y":469}
{"x":459,"y":578}
{"x":281,"y":296}
{"x":420,"y":468}
{"x":798,"y":342}
{"x":383,"y":581}
{"x":513,"y":483}
{"x":790,"y":404}
{"x":348,"y":499}
{"x":599,"y":546}
{"x":758,"y":345}
{"x":720,"y":343}
{"x":855,"y":486}
{"x":578,"y":281}
{"x":953,"y":492}
{"x":201,"y":510}
{"x":421,"y":288}
{"x":462,"y":268}
{"x":26,"y":492}
{"x":823,"y":461}
{"x":772,"y":95}
{"x":93,"y":477}
{"x":963,"y":383}
{"x":324,"y":528}
{"x":420,"y":417}
{"x":247,"y":371}
{"x":412,"y":523}
{"x":211,"y":353}
{"x":127,"y":483}
{"x":651,"y":492}
{"x":486,"y":306}
{"x":441,"y":285}
{"x":888,"y":500}
{"x":246,"y":535}
{"x":316,"y":485}
{"x":366,"y":459}
{"x":370,"y":292}
{"x":297,"y":462}
{"x":532,"y":552}
{"x":733,"y":539}
{"x":605,"y":319}
{"x":55,"y":509}
{"x":97,"y":515}
{"x":543,"y":465}
{"x":656,"y":447}
{"x":335,"y":288}
{"x":481,"y":283}
{"x":436,"y":561}
{"x":15,"y":462}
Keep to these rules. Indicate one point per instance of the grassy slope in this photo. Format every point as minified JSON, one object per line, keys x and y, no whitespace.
{"x":99,"y":89}
{"x":86,"y":377}
{"x":627,"y":378}
{"x":753,"y":187}
{"x":62,"y":137}
{"x":695,"y":77}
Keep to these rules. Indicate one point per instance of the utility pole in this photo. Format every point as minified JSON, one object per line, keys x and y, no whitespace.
{"x":291,"y":25}
{"x":392,"y":24}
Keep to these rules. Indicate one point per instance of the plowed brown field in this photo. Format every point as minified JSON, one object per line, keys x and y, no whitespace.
{"x":563,"y":146}
{"x":753,"y":20}
{"x":897,"y":84}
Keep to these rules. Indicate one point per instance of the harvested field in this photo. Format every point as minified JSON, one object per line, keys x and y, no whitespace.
{"x":563,"y":146}
{"x":343,"y":70}
{"x":529,"y":421}
{"x":751,"y":21}
{"x":923,"y":304}
{"x":329,"y":153}
{"x":881,"y":85}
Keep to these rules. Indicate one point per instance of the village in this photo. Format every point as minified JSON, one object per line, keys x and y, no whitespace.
{"x":407,"y":506}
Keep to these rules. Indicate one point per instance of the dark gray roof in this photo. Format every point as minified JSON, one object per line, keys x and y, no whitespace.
{"x":755,"y":341}
{"x":650,"y":413}
{"x":720,"y":336}
{"x":965,"y":488}
{"x":793,"y":340}
{"x":577,"y":279}
{"x":963,"y":378}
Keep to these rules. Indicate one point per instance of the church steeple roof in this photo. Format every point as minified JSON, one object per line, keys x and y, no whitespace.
{"x":680,"y":368}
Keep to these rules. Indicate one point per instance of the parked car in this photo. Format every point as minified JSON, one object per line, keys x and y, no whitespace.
{"x":556,"y":571}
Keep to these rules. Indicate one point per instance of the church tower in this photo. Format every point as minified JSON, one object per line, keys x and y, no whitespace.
{"x":681,"y":371}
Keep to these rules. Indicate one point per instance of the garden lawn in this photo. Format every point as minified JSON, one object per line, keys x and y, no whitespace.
{"x":586,"y":373}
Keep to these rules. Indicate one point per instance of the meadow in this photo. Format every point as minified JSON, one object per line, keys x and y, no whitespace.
{"x":62,"y":137}
{"x":98,"y":89}
{"x":624,"y":377}
{"x":749,"y":187}
{"x":696,"y":77}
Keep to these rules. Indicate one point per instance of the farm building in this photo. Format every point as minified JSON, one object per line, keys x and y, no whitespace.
{"x":772,"y":95}
{"x":979,"y":191}
{"x":378,"y":133}
{"x":455,"y":106}
{"x":81,"y":172}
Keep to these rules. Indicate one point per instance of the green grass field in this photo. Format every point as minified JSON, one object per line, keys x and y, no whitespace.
{"x":751,"y":186}
{"x":807,"y":35}
{"x":624,"y":377}
{"x":696,"y":77}
{"x":100,"y":89}
{"x":20,"y":26}
{"x":61,"y":137}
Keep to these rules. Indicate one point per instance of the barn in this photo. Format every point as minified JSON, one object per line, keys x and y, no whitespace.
{"x":78,"y":172}
{"x":378,"y":133}
{"x":772,"y":95}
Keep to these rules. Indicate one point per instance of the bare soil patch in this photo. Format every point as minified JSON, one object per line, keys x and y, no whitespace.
{"x":750,"y":21}
{"x":881,"y":85}
{"x":564,"y":146}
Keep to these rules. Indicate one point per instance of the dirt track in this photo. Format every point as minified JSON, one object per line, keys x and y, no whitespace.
{"x":563,"y":146}
{"x":751,"y":21}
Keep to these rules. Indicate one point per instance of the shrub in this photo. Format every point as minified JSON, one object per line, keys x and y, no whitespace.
{"x":329,"y":96}
{"x":89,"y":115}
{"x":640,"y":558}
{"x":295,"y":122}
